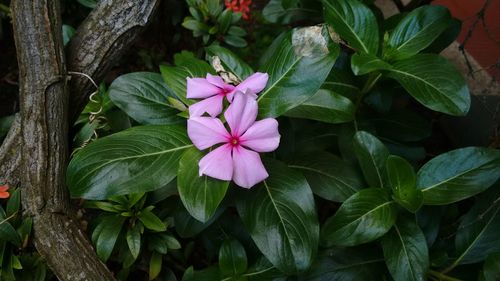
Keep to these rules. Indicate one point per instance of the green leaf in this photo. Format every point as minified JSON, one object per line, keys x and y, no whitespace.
{"x":403,"y":182}
{"x":187,"y":226}
{"x":276,"y":11}
{"x":434,"y":82}
{"x":405,"y":126}
{"x":194,"y":25}
{"x":230,"y":61}
{"x":14,"y":202}
{"x":364,"y":217}
{"x":232,"y":258}
{"x":200,"y":195}
{"x":134,"y":240}
{"x":67,"y":32}
{"x":417,"y":30}
{"x":354,"y":22}
{"x":225,"y":20}
{"x":280,"y":216}
{"x":155,"y":265}
{"x":296,"y":67}
{"x":458,"y":174}
{"x":88,"y":3}
{"x":325,"y":106}
{"x":372,"y":155}
{"x":187,"y":66}
{"x":5,"y":124}
{"x":151,"y":221}
{"x":491,"y":270}
{"x":365,"y":63}
{"x":8,"y":233}
{"x":478,"y":234}
{"x":111,"y":227}
{"x":329,"y":176}
{"x":446,"y":38}
{"x":405,"y":251}
{"x":349,"y":264}
{"x":139,"y":159}
{"x":235,"y":41}
{"x":237,"y":31}
{"x":144,"y":97}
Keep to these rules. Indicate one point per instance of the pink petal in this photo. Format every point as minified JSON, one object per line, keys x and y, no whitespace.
{"x":248,"y":168}
{"x":205,"y":132}
{"x":241,"y":114}
{"x":262,"y":136}
{"x":211,"y":105}
{"x":218,"y":163}
{"x":216,"y":80}
{"x":200,"y":88}
{"x":255,"y":83}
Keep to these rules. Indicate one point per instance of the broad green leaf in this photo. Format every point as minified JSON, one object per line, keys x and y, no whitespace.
{"x":139,"y":159}
{"x":403,"y":182}
{"x":151,"y":221}
{"x":263,"y":270}
{"x":14,"y":202}
{"x":200,"y":195}
{"x":478,"y":234}
{"x":405,"y":126}
{"x":354,"y":22}
{"x":417,"y":30}
{"x":347,"y":264}
{"x":235,"y":41}
{"x":446,"y":38}
{"x":364,"y":217}
{"x":155,"y":265}
{"x":88,"y":3}
{"x":232,"y":258}
{"x":365,"y":63}
{"x":230,"y":61}
{"x":491,"y":269}
{"x":325,"y":106}
{"x":144,"y":97}
{"x":342,"y":82}
{"x":372,"y":155}
{"x":277,"y":11}
{"x":458,"y":174}
{"x":8,"y":233}
{"x":329,"y":176}
{"x":187,"y":226}
{"x":111,"y":227}
{"x":280,"y":216}
{"x":67,"y":32}
{"x":405,"y":251}
{"x":434,"y":82}
{"x":133,"y":238}
{"x":186,"y":66}
{"x":206,"y":274}
{"x":298,"y":63}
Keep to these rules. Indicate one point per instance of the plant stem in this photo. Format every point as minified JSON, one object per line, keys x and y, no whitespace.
{"x":370,"y":82}
{"x":443,"y":277}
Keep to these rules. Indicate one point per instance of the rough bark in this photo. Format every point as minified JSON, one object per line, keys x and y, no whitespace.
{"x":44,"y":137}
{"x":101,"y":40}
{"x":98,"y":44}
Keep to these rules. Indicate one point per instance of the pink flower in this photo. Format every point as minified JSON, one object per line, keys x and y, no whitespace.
{"x":213,"y":90}
{"x":233,"y":160}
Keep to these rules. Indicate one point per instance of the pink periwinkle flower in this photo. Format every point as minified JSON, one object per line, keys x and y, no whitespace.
{"x":237,"y":158}
{"x":213,"y":90}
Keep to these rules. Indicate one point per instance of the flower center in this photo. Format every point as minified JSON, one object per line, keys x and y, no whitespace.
{"x":234,"y":141}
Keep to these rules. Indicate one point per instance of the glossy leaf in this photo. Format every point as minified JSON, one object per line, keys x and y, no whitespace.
{"x":364,"y":217}
{"x":405,"y":126}
{"x":110,"y":228}
{"x":403,"y":182}
{"x":434,"y":82}
{"x":155,"y":265}
{"x":365,"y":63}
{"x":232,"y":258}
{"x":296,"y":69}
{"x":8,"y":233}
{"x":280,"y":216}
{"x":478,"y":234}
{"x":201,"y":195}
{"x":151,"y":221}
{"x":186,"y":66}
{"x":372,"y":155}
{"x":349,"y":264}
{"x":144,"y":97}
{"x":417,"y":30}
{"x":230,"y":61}
{"x":329,"y":176}
{"x":325,"y":106}
{"x":133,"y":238}
{"x":276,"y":11}
{"x":458,"y":174}
{"x":187,"y":226}
{"x":405,"y":251}
{"x":354,"y":22}
{"x":136,"y":160}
